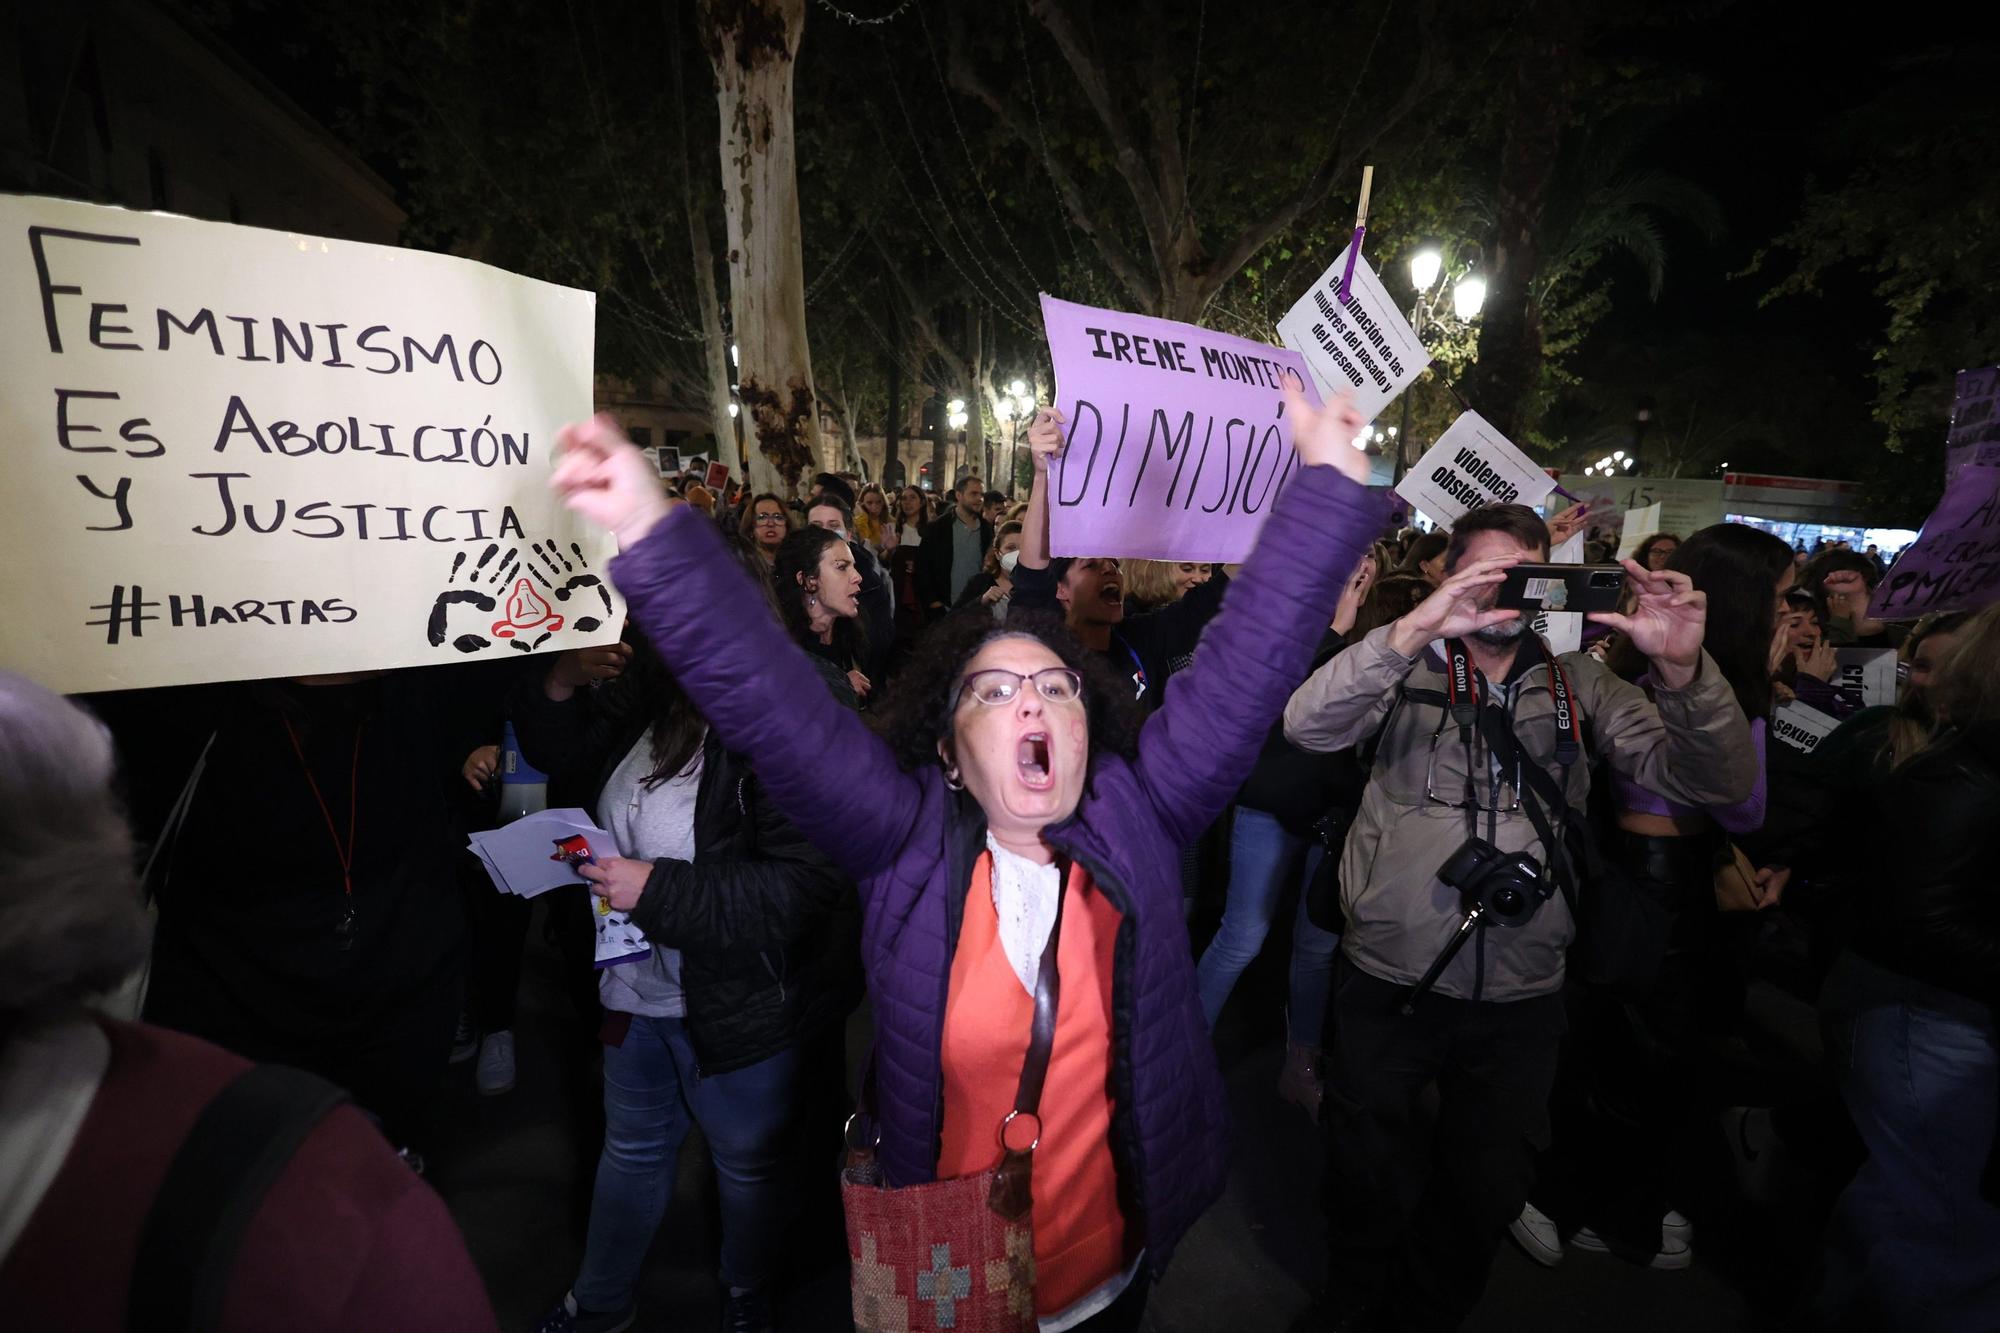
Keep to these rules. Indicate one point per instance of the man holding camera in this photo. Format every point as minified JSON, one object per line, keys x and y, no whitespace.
{"x":1458,"y":882}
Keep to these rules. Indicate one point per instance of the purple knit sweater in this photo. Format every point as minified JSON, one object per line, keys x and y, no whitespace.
{"x":911,"y":842}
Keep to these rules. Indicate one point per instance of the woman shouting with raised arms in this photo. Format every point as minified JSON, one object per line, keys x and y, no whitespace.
{"x":1009,"y":828}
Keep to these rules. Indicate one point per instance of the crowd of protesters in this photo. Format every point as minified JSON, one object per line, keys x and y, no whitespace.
{"x":880,"y":745}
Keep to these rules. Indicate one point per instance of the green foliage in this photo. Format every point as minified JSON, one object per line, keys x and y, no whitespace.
{"x":1911,"y":203}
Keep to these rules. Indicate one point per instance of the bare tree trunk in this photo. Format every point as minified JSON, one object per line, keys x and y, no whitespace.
{"x":935,"y":416}
{"x":715,"y":355}
{"x":975,"y":401}
{"x":752,"y":45}
{"x":715,"y":351}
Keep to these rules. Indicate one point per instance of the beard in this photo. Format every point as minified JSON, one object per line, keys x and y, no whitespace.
{"x":1502,"y":634}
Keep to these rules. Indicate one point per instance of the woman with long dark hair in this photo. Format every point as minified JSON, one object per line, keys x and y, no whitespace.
{"x":1009,"y":816}
{"x":748,"y":969}
{"x":1610,"y":1174}
{"x":818,"y":589}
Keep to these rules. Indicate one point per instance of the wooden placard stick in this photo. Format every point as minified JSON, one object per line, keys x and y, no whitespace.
{"x":1360,"y":230}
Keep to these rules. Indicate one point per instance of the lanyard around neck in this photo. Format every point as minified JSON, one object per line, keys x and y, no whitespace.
{"x":343,"y":853}
{"x":1463,"y":682}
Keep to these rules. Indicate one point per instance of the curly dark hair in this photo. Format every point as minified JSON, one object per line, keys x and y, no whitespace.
{"x":918,"y":713}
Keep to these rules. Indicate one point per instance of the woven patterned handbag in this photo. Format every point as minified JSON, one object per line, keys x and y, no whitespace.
{"x":953,"y":1254}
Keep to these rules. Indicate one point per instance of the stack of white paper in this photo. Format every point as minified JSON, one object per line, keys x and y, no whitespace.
{"x":526,"y":857}
{"x":533,"y":854}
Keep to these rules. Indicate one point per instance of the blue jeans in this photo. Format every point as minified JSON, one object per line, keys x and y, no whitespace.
{"x":652,"y":1096}
{"x":1266,"y":862}
{"x":1912,"y":1245}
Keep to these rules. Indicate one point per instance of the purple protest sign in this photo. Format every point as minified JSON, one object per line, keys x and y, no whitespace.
{"x":1178,"y":442}
{"x":1975,"y":422}
{"x":1954,"y":565}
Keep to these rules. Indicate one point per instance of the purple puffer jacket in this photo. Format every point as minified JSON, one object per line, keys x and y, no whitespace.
{"x":911,"y":842}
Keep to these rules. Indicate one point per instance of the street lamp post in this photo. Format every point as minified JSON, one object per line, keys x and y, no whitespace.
{"x":956,"y":419}
{"x":1431,"y":278}
{"x":1017,"y":404}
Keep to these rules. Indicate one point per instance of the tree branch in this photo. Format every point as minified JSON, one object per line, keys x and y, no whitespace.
{"x":1090,"y":77}
{"x":919,"y":309}
{"x":1145,"y":291}
{"x":1163,"y":127}
{"x":1339,"y":164}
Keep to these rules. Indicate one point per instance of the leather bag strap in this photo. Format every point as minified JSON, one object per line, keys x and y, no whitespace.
{"x":1048,"y":992}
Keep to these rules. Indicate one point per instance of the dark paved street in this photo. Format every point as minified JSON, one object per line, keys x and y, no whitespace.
{"x":517,"y":1178}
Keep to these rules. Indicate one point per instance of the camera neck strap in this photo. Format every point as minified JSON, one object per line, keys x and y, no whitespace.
{"x":1463,"y":683}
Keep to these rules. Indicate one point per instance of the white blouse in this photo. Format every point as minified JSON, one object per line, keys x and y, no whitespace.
{"x":1024,"y":898}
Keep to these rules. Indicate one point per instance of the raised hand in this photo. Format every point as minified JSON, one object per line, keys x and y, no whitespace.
{"x":1781,"y":639}
{"x":1567,"y":524}
{"x":1847,"y":599}
{"x":1818,"y":661}
{"x":1354,"y":594}
{"x":603,"y":476}
{"x":1666,"y":623}
{"x":1045,"y":437}
{"x":1453,"y":610}
{"x":578,"y":667}
{"x":1324,"y":436}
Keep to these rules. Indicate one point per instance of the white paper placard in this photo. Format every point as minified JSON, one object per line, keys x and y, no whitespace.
{"x":1363,"y":347}
{"x":1801,"y":726}
{"x":1472,"y":465}
{"x":1639,"y":525}
{"x":1561,"y":630}
{"x":1871,"y":672}
{"x":240,"y":453}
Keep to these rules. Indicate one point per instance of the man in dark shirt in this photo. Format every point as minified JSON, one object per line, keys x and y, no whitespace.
{"x":953,"y":548}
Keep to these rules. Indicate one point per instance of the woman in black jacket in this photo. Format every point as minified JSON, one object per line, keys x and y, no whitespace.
{"x":1915,"y":1238}
{"x":753,"y":956}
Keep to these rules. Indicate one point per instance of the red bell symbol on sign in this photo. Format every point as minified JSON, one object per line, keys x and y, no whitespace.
{"x":527,"y":611}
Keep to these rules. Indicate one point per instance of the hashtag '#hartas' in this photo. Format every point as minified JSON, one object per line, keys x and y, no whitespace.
{"x":122,"y":614}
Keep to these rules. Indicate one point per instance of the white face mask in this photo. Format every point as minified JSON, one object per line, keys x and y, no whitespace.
{"x":1009,"y":560}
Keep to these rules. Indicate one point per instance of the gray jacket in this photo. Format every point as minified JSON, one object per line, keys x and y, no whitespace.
{"x":1690,"y":745}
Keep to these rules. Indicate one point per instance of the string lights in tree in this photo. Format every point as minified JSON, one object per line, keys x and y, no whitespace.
{"x":856,"y":21}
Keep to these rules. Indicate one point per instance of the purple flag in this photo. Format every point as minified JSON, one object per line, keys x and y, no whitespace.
{"x":1975,"y":421}
{"x":1954,"y":565}
{"x":1178,"y":442}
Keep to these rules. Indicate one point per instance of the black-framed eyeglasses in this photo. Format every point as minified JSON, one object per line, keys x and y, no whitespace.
{"x":770,"y":518}
{"x":997,"y":685}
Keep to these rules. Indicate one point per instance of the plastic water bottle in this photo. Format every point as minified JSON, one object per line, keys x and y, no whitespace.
{"x":524,"y":789}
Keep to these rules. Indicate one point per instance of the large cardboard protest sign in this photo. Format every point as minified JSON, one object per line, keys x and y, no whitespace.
{"x":1472,"y":465}
{"x":1178,"y":441}
{"x":1975,"y":422}
{"x":1361,"y":346}
{"x":237,"y":453}
{"x":1954,"y":565}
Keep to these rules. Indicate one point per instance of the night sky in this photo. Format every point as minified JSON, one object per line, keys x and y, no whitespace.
{"x":1777,"y":80}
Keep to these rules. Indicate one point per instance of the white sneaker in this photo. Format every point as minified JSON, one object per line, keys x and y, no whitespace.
{"x":1675,"y":1229}
{"x":1535,"y":1232}
{"x":496,"y":1064}
{"x":1676,"y":1245}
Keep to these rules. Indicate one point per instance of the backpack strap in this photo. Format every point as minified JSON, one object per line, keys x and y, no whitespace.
{"x":236,"y":1151}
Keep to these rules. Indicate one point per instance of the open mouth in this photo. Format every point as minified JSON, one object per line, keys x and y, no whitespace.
{"x":1032,"y":760}
{"x":1113,"y":593}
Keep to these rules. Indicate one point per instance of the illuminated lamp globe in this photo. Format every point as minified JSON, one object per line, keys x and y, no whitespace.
{"x":1468,"y":297}
{"x":1424,"y":267}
